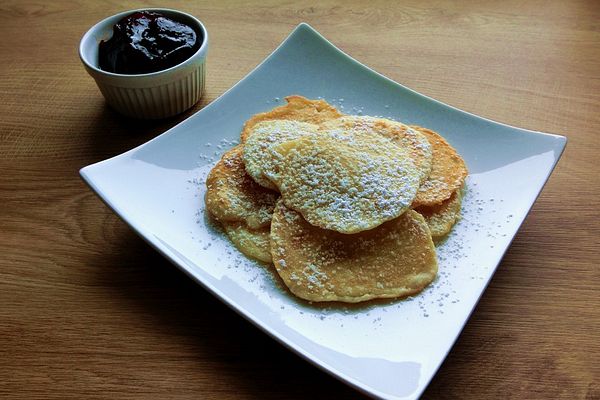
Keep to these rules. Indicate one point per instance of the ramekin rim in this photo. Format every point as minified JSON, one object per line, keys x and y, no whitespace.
{"x":202,"y":49}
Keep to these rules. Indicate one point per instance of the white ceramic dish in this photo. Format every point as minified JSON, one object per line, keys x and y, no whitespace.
{"x":388,"y":350}
{"x":153,"y":95}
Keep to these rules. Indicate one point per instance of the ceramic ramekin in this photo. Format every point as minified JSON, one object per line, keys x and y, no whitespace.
{"x":148,"y":96}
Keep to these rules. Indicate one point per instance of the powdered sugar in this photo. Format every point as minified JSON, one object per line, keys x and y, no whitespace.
{"x":345,"y":181}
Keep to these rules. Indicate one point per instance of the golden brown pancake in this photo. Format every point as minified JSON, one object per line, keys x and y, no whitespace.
{"x":448,"y":171}
{"x":395,"y":259}
{"x":345,"y":181}
{"x":413,"y":141}
{"x":298,"y":108}
{"x":254,"y":243}
{"x":442,"y":217}
{"x":342,"y":229}
{"x":258,"y":154}
{"x":232,"y":195}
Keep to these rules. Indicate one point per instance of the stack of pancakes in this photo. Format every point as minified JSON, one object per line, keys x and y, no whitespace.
{"x":346,"y":207}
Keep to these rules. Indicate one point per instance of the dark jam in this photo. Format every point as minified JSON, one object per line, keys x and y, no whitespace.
{"x":145,"y":42}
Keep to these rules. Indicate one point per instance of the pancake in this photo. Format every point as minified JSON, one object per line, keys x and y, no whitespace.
{"x":442,"y":217}
{"x":395,"y":259}
{"x":254,"y":243}
{"x":258,"y":155}
{"x":448,"y":171}
{"x":345,"y":181}
{"x":413,"y":141}
{"x":232,"y":195}
{"x":298,"y":108}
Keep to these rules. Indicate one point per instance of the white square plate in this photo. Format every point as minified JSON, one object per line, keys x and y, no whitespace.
{"x":389,"y":349}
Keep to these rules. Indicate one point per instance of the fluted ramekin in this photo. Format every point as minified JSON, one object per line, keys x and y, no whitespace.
{"x":154,"y":95}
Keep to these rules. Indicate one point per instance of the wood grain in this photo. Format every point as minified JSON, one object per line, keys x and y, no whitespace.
{"x":87,"y":309}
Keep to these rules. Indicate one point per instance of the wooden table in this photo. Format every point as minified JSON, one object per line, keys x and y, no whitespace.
{"x":87,"y":309}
